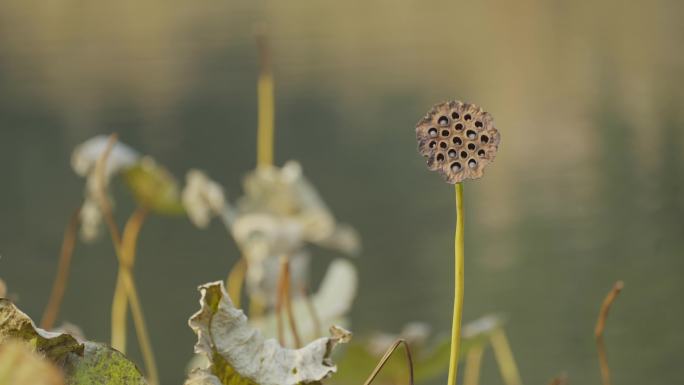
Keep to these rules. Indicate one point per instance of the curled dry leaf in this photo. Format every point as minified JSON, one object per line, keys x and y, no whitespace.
{"x":202,"y":198}
{"x":16,"y":325}
{"x":3,"y":289}
{"x":280,"y":213}
{"x":82,"y":363}
{"x":84,"y":159}
{"x":239,"y":354}
{"x":19,"y":365}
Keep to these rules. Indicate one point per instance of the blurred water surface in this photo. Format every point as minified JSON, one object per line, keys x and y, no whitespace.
{"x":587,"y":188}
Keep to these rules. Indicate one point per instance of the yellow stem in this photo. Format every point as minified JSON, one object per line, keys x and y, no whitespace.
{"x":62,"y":277}
{"x":235,"y":280}
{"x":504,"y":358}
{"x":266,"y":108}
{"x":458,"y":287}
{"x":124,"y":260}
{"x":141,"y":329}
{"x":129,"y":241}
{"x":471,"y":374}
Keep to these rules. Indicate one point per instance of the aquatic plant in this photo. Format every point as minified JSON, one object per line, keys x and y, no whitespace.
{"x":459,"y":140}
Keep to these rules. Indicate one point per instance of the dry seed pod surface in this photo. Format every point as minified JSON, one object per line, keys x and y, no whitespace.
{"x":457,"y":139}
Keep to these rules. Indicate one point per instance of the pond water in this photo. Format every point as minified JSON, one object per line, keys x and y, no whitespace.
{"x":587,"y":187}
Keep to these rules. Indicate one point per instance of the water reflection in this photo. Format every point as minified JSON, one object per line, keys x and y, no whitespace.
{"x":587,"y":187}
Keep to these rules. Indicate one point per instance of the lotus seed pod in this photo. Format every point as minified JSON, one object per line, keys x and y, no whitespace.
{"x":457,"y":139}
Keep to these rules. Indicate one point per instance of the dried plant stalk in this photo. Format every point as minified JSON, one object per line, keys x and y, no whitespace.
{"x":471,"y":375}
{"x":284,"y":298}
{"x":235,"y":280}
{"x":600,"y":326}
{"x":387,"y":356}
{"x":120,"y":300}
{"x":125,"y":274}
{"x":63,"y":267}
{"x":504,"y":358}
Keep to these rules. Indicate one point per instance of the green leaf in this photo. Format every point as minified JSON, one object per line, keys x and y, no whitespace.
{"x":100,"y":364}
{"x":83,"y":363}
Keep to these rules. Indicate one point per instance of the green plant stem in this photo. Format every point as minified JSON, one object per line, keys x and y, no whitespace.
{"x":458,"y":287}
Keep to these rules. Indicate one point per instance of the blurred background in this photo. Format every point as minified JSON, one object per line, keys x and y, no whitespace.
{"x":587,"y":187}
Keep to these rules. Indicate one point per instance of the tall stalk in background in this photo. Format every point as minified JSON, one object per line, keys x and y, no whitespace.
{"x":266,"y":105}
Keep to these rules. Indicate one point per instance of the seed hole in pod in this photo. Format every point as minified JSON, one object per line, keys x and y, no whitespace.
{"x":471,"y":134}
{"x":478,"y":124}
{"x":467,"y":117}
{"x":440,"y":157}
{"x":458,"y":141}
{"x":471,"y":146}
{"x":464,"y":154}
{"x":484,"y":139}
{"x":455,"y":115}
{"x":443,"y":121}
{"x":481,"y":153}
{"x":432,"y":132}
{"x":452,"y":153}
{"x":458,"y":126}
{"x":455,"y":167}
{"x":443,"y":145}
{"x":432,"y":144}
{"x":472,"y":163}
{"x":445,"y":132}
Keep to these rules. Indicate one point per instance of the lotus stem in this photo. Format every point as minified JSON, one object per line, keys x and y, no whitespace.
{"x":458,"y":287}
{"x":125,"y":274}
{"x":600,"y":326}
{"x":266,"y":109}
{"x":504,"y":358}
{"x":471,"y":374}
{"x":235,"y":280}
{"x":63,"y":267}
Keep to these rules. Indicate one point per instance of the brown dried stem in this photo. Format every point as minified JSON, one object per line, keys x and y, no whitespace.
{"x":63,"y":267}
{"x":600,"y":326}
{"x":386,"y":357}
{"x":284,"y":298}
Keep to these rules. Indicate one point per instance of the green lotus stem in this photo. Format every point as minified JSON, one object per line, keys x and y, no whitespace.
{"x":458,"y":287}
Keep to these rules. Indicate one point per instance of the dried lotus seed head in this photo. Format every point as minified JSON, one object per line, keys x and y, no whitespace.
{"x":457,"y":139}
